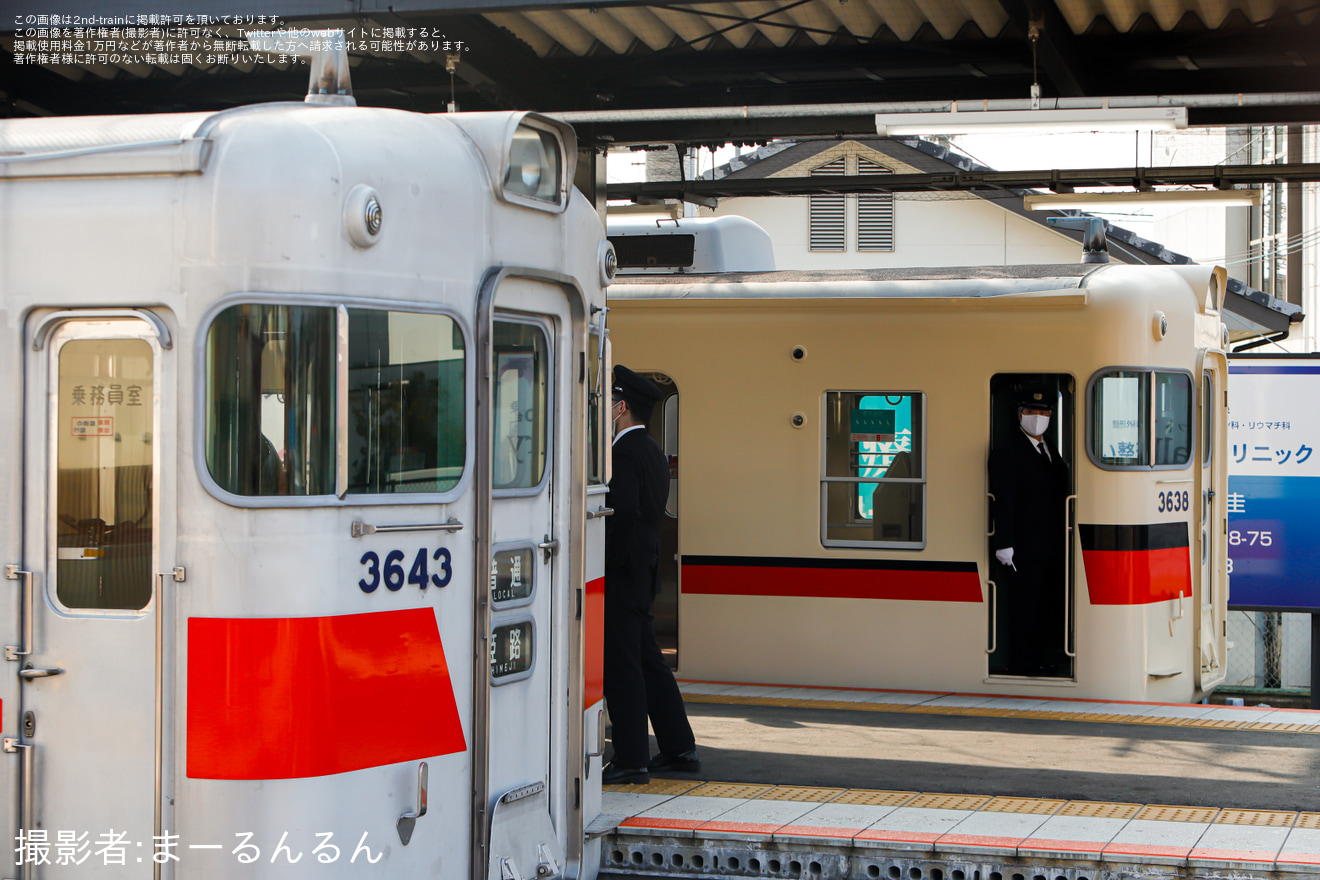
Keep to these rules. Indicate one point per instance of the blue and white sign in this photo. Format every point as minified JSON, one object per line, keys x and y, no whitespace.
{"x":1274,"y":483}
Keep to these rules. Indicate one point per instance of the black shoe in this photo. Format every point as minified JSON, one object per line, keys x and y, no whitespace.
{"x":684,"y":762}
{"x":616,"y":775}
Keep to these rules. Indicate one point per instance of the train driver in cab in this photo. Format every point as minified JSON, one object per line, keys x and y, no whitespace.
{"x":1030,"y":480}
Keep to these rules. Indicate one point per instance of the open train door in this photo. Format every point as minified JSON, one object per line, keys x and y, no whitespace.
{"x":95,"y":629}
{"x":532,"y":400}
{"x":1212,"y":477}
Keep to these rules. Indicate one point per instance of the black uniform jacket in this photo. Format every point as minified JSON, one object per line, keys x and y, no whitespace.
{"x":639,"y":488}
{"x":1030,"y":492}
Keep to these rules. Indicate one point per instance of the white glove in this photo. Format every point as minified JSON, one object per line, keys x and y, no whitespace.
{"x":1005,"y":557}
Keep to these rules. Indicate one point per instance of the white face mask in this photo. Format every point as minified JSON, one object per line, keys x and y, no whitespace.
{"x":1036,"y":426}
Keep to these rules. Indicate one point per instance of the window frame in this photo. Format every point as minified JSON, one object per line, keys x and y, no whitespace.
{"x":825,"y":479}
{"x":1194,"y":429}
{"x":547,"y":332}
{"x":330,"y":301}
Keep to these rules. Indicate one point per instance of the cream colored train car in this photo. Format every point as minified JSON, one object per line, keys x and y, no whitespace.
{"x":830,"y":463}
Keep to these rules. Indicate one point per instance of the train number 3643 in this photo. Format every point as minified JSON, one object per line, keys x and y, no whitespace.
{"x":419,"y":574}
{"x":1170,"y":502}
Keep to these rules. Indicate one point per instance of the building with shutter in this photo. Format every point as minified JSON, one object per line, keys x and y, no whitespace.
{"x":882,"y":231}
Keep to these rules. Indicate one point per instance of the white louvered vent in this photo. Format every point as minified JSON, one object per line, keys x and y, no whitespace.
{"x":828,"y":231}
{"x":875,"y":213}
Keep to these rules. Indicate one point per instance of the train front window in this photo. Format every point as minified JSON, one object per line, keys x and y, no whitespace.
{"x":405,"y":402}
{"x":1140,"y":419}
{"x":873,"y":488}
{"x":272,"y":396}
{"x":270,"y":389}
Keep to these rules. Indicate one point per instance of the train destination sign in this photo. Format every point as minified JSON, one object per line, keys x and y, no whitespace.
{"x":1274,"y":483}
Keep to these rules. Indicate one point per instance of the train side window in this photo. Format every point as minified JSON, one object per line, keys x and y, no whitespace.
{"x":1140,"y":419}
{"x":270,"y":400}
{"x":873,"y":489}
{"x":1173,"y":419}
{"x":405,"y":402}
{"x":521,"y":406}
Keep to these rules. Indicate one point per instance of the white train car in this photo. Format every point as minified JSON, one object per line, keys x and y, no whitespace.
{"x":829,"y":433}
{"x":303,"y":442}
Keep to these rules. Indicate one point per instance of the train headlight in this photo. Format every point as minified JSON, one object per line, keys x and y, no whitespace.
{"x":534,"y":165}
{"x":1160,"y":326}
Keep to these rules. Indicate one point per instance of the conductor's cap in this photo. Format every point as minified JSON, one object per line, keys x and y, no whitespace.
{"x":1035,"y":400}
{"x":639,"y":392}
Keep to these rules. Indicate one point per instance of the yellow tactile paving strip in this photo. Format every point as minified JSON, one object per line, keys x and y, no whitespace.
{"x":656,"y":786}
{"x":1033,"y":806}
{"x":729,"y":790}
{"x":1308,"y":820}
{"x":875,"y":798}
{"x":948,"y":802}
{"x":1259,"y":818}
{"x":1100,"y":810}
{"x":1115,"y":717}
{"x":1167,"y":813}
{"x":801,"y":793}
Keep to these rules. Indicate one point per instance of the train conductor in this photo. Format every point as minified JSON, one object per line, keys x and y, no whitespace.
{"x":1030,"y":482}
{"x":638,"y":683}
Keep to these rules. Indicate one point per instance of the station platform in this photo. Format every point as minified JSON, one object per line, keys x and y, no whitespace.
{"x":808,"y":782}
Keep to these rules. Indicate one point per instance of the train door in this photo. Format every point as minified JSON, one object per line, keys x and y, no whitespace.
{"x":1031,"y":625}
{"x":663,"y":427}
{"x":95,"y":691}
{"x":530,"y":523}
{"x":1212,"y":473}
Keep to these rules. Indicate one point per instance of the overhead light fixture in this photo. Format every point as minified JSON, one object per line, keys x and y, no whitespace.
{"x":1108,"y":201}
{"x":977,"y":121}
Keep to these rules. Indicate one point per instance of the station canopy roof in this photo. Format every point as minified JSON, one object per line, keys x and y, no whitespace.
{"x":618,"y":55}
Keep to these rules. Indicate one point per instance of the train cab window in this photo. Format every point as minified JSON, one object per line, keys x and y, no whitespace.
{"x":521,"y":406}
{"x":270,"y":406}
{"x":271,"y":396}
{"x":1207,"y":418}
{"x":405,"y":402}
{"x":1140,"y":419}
{"x":873,"y":489}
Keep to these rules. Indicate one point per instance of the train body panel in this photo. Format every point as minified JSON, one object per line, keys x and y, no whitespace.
{"x":787,"y":580}
{"x":294,"y":380}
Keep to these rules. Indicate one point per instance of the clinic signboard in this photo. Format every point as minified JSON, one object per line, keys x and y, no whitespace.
{"x":1274,"y":482}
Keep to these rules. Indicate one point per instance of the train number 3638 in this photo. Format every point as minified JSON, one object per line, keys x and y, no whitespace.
{"x":419,"y":574}
{"x":1171,"y":502}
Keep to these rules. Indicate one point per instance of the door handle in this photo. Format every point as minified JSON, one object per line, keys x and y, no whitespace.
{"x":29,"y":674}
{"x":600,"y":513}
{"x":408,"y":820}
{"x":549,"y":547}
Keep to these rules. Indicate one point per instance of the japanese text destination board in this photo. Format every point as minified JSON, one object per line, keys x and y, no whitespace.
{"x":1274,"y":483}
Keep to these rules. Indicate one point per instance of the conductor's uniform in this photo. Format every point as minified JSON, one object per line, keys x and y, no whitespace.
{"x":1030,"y":484}
{"x":638,"y":682}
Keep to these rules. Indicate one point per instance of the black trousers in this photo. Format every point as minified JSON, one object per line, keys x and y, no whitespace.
{"x":1035,"y":617}
{"x":638,"y":684}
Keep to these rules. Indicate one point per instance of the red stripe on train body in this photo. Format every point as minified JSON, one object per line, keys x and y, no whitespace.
{"x":1137,"y":577}
{"x":281,"y":698}
{"x":915,"y":584}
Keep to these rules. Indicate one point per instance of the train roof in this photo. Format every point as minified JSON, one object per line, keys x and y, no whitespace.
{"x":942,"y":281}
